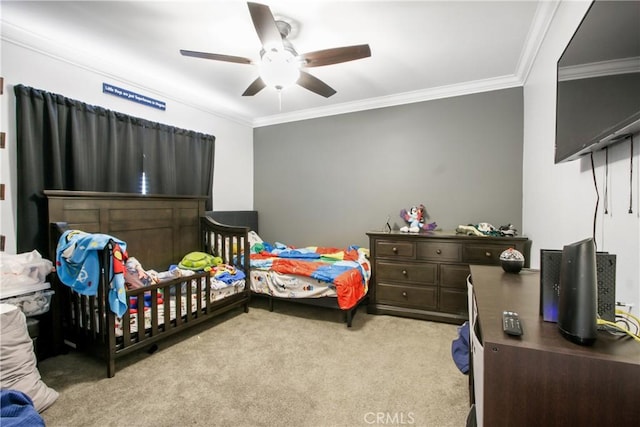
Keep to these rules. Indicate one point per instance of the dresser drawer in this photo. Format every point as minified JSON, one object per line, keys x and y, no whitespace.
{"x":408,"y":296}
{"x":423,"y":273}
{"x":439,"y":251}
{"x":454,"y":301}
{"x":454,"y":276}
{"x":391,"y":249}
{"x":483,"y":254}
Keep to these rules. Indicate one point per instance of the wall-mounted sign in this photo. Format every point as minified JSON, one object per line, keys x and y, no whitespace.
{"x":132,"y":96}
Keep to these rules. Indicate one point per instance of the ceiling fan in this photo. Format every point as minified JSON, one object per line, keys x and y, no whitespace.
{"x":280,"y":65}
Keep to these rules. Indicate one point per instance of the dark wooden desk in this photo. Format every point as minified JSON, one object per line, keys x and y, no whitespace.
{"x":541,"y":379}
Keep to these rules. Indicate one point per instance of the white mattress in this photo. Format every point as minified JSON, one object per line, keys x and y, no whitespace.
{"x":289,"y":286}
{"x":218,"y":292}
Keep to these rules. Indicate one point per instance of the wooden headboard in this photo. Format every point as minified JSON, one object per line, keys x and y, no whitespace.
{"x":159,"y":230}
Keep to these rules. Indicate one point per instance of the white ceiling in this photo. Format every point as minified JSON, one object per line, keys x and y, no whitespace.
{"x":420,"y":50}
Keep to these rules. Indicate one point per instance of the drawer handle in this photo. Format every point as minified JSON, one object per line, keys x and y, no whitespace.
{"x":487,"y":254}
{"x":404,"y":294}
{"x":395,"y":250}
{"x":404,"y":272}
{"x":439,"y":251}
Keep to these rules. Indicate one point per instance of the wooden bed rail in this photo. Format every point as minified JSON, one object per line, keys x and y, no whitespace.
{"x":226,"y":241}
{"x":73,"y":324}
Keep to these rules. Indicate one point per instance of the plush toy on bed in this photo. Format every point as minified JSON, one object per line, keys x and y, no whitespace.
{"x":199,"y":261}
{"x":135,"y":275}
{"x":415,"y":218}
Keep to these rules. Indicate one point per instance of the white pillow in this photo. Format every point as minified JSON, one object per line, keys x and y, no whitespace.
{"x":18,"y":369}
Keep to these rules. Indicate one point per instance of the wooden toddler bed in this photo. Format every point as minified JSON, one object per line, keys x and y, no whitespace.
{"x":329,"y":277}
{"x":158,"y":232}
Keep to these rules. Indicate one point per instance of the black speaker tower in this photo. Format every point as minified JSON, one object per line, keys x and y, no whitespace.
{"x":550,"y":264}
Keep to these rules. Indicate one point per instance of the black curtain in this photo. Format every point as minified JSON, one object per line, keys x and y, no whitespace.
{"x":64,"y":144}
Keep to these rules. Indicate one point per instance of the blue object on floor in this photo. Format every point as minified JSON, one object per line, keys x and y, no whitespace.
{"x":460,"y":348}
{"x":17,"y":410}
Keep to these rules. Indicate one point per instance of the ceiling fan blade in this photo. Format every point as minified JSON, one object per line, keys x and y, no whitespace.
{"x":216,"y":56}
{"x":336,"y":55}
{"x":265,"y":25}
{"x":315,"y":85}
{"x":255,"y":87}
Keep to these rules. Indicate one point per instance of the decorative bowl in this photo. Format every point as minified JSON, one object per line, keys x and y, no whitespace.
{"x":512,"y":260}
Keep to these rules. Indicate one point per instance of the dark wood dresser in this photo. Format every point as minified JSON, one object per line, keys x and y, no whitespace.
{"x":424,"y":275}
{"x":540,"y":378}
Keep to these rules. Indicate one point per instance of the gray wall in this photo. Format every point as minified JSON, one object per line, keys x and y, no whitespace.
{"x":328,"y":181}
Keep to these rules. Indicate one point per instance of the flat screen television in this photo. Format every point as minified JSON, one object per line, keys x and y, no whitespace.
{"x":598,"y":85}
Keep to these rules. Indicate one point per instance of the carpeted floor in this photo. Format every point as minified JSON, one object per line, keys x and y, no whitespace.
{"x":296,"y":366}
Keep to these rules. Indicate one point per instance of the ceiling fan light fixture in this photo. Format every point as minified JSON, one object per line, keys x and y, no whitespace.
{"x":280,"y":65}
{"x":279,"y":68}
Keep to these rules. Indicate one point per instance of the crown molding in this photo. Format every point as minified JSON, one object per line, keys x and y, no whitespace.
{"x":430,"y":94}
{"x":542,"y":19}
{"x":599,"y":69}
{"x":23,"y":38}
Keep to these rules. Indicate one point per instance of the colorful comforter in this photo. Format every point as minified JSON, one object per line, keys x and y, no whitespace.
{"x":348,"y":269}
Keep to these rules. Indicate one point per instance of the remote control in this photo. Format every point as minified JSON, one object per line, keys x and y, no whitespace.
{"x":511,"y":323}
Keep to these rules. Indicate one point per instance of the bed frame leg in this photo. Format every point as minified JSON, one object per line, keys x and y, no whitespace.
{"x":111,"y":368}
{"x":350,"y":314}
{"x":270,"y":304}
